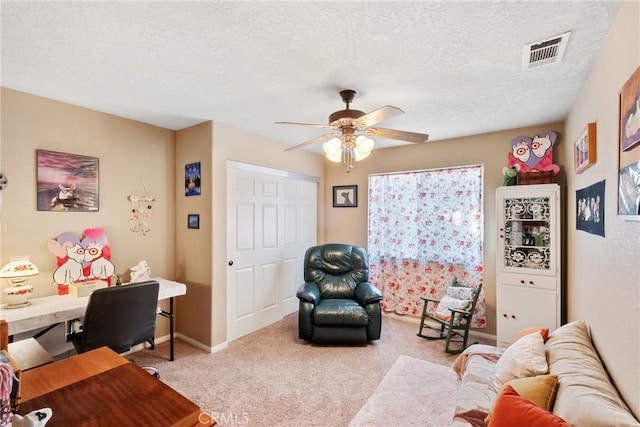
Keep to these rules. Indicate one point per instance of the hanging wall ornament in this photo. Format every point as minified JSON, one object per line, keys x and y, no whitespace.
{"x":3,"y":180}
{"x":141,"y":204}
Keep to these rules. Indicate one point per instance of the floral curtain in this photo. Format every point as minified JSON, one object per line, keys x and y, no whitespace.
{"x":425,"y":228}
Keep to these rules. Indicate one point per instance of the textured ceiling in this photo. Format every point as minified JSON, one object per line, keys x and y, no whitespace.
{"x":455,"y":68}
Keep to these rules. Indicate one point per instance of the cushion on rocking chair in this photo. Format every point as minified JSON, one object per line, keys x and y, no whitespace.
{"x":442,"y":311}
{"x":460,"y":292}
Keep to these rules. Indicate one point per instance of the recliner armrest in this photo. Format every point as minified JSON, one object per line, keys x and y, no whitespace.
{"x":309,"y":292}
{"x":366,"y":293}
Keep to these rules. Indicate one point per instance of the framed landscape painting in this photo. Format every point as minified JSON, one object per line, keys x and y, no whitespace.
{"x":66,"y":182}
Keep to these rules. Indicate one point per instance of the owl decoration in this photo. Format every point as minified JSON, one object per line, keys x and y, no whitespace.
{"x":530,"y":155}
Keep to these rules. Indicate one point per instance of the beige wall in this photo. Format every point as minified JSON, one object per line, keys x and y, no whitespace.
{"x":604,"y":273}
{"x":232,"y":144}
{"x":602,"y":280}
{"x":127,"y":150}
{"x":349,"y":225}
{"x":193,"y":247}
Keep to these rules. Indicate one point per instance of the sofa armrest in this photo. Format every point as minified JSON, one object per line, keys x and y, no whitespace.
{"x":366,"y":293}
{"x":309,"y":292}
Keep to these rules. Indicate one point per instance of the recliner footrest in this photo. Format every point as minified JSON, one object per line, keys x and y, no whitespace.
{"x":345,"y":312}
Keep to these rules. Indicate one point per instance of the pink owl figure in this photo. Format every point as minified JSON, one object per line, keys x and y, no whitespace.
{"x":529,"y":155}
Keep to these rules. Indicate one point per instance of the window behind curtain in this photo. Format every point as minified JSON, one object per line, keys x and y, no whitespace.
{"x":425,"y":228}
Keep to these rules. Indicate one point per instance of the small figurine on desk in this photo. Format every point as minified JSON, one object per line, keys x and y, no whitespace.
{"x":37,"y":418}
{"x":140,"y":272}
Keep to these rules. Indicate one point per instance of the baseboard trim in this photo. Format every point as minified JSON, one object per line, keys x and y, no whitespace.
{"x":202,"y":346}
{"x":416,"y":320}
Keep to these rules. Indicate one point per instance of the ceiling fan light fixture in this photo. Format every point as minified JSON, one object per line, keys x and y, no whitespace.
{"x":336,"y":158}
{"x":332,"y":147}
{"x":355,"y":127}
{"x":360,"y":155}
{"x":364,"y":144}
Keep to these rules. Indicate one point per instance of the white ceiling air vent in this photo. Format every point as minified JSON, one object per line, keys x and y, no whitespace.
{"x":545,"y":52}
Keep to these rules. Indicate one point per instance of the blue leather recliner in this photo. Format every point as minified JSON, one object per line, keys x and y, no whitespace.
{"x":338,"y":305}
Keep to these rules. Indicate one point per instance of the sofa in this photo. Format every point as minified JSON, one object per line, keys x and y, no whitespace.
{"x":557,"y":380}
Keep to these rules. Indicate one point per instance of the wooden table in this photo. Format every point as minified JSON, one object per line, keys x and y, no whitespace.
{"x":102,"y":388}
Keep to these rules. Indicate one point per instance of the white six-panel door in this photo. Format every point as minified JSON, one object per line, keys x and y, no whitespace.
{"x":271,"y":221}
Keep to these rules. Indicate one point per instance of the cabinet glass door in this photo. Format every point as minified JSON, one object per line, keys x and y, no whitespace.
{"x":527,"y":232}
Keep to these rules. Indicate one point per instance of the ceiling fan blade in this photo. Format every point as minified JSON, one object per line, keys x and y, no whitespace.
{"x":400,"y":135}
{"x":311,"y":141}
{"x":380,"y":115}
{"x":306,"y":124}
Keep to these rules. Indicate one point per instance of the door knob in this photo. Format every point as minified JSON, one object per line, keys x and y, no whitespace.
{"x":230,"y":263}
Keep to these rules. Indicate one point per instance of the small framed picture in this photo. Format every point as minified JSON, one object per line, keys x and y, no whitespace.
{"x":345,"y":196}
{"x":629,"y":192}
{"x":193,"y":221}
{"x":590,"y":209}
{"x":192,"y":179}
{"x":584,"y":149}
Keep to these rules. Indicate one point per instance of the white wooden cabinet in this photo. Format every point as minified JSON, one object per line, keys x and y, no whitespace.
{"x":528,"y":257}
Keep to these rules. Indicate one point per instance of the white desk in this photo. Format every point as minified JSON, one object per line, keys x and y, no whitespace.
{"x":51,"y":310}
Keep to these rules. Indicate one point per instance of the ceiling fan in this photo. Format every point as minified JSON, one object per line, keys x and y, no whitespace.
{"x":352,"y":142}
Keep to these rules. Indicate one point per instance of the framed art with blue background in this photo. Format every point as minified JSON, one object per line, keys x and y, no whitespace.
{"x":590,"y":209}
{"x":192,"y":179}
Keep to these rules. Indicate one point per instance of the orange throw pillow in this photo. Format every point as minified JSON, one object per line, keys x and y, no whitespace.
{"x":511,"y":409}
{"x":526,"y":331}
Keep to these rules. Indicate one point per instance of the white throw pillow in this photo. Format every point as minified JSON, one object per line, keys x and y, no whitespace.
{"x":523,"y":358}
{"x":447,"y":302}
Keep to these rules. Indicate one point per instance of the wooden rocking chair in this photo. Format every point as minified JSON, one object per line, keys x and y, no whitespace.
{"x":453,"y":316}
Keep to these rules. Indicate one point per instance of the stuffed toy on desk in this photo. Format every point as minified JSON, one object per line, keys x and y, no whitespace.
{"x":37,"y":418}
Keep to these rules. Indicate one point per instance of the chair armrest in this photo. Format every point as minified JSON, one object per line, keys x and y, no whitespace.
{"x":309,"y":292}
{"x":463,"y":312}
{"x":366,"y":293}
{"x":427,"y":300}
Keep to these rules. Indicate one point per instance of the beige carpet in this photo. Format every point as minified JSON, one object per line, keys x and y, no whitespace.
{"x":414,"y":392}
{"x":272,"y":378}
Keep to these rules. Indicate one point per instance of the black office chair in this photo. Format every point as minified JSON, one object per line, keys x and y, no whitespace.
{"x":119,"y":317}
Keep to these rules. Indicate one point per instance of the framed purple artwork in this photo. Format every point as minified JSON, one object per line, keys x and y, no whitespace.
{"x":67,"y":182}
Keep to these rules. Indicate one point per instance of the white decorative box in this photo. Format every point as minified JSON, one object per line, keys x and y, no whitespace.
{"x":84,"y":289}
